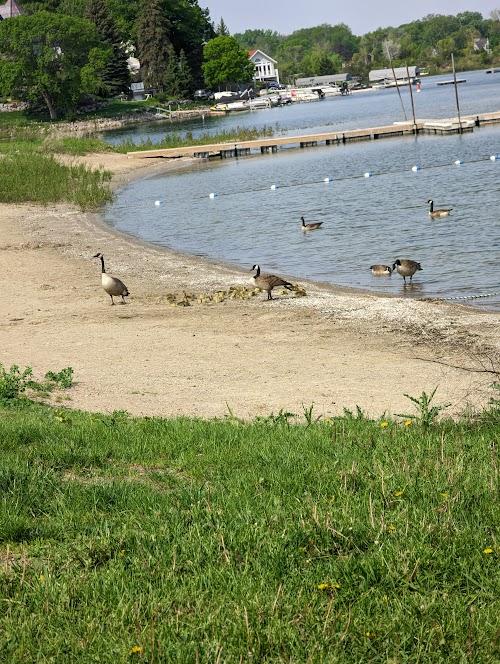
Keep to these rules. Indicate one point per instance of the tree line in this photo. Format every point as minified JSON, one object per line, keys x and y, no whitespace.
{"x":427,"y":42}
{"x":60,"y":53}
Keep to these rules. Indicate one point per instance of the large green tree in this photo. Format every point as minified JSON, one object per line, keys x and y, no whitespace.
{"x":50,"y":59}
{"x":116,"y":75}
{"x":154,"y":47}
{"x":225,"y":62}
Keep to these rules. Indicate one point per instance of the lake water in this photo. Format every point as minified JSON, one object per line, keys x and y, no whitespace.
{"x":366,"y":220}
{"x":481,"y":93}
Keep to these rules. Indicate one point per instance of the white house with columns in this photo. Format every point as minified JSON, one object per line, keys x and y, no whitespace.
{"x":265,"y":67}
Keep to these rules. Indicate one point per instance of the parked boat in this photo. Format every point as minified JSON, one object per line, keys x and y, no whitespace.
{"x":452,"y":82}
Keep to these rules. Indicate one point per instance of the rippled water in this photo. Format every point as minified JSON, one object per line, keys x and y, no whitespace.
{"x":366,"y":220}
{"x":481,"y":93}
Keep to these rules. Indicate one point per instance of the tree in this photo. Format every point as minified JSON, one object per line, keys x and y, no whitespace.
{"x":185,"y":78}
{"x":116,"y":75}
{"x":225,"y":62}
{"x":221,"y":30}
{"x":153,"y":40}
{"x":42,"y":58}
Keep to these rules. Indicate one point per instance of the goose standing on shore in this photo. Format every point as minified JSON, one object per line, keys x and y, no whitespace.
{"x":267,"y":282}
{"x":406,"y":268}
{"x":112,"y":285}
{"x":313,"y":226}
{"x":438,"y":214}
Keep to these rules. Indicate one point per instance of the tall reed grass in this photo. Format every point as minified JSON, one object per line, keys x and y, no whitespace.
{"x":175,"y":140}
{"x":39,"y":178}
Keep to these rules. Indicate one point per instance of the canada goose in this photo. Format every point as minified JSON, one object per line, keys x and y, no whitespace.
{"x":406,"y":268}
{"x":380,"y":270}
{"x":112,"y":285}
{"x":312,"y":226}
{"x":437,"y":214}
{"x":267,"y":282}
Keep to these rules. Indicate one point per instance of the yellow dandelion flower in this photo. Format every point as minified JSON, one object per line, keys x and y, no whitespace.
{"x":488,"y":550}
{"x":370,"y":635}
{"x":328,"y":586}
{"x":41,"y":578}
{"x":384,"y":424}
{"x":444,"y":495}
{"x":408,"y":423}
{"x":136,"y":650}
{"x":391,"y":528}
{"x":398,"y":493}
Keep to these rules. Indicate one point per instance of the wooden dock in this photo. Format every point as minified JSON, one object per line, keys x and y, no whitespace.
{"x":271,"y":144}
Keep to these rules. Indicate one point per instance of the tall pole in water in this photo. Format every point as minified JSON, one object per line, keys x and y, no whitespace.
{"x":412,"y":103}
{"x":396,"y":82}
{"x":460,"y":129}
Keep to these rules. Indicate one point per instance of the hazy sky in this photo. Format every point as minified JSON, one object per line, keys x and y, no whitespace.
{"x":361,"y":16}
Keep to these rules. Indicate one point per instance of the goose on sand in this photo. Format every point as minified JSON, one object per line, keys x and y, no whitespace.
{"x":267,"y":282}
{"x":112,"y":285}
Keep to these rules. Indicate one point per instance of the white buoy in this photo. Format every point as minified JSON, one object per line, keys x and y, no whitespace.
{"x":273,"y":187}
{"x":494,"y":157}
{"x":415,"y":168}
{"x":368,"y":174}
{"x":157,"y":203}
{"x":326,"y":179}
{"x":212,"y":195}
{"x":458,"y":162}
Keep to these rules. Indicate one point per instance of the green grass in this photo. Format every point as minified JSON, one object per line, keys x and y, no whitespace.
{"x":174,"y":140}
{"x":33,"y":177}
{"x":216,"y":541}
{"x":76,"y":145}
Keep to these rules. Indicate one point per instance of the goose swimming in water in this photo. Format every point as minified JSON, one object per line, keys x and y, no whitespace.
{"x":313,"y":226}
{"x":112,"y":285}
{"x":438,"y":214}
{"x":381,"y":270}
{"x":267,"y":282}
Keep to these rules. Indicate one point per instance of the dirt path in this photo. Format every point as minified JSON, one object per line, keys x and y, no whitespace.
{"x":335,"y":348}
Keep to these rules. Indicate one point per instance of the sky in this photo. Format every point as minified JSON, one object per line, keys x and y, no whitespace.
{"x":361,"y":16}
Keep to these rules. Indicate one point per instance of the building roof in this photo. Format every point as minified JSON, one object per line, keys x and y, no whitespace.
{"x":382,"y":74}
{"x":9,"y":9}
{"x":323,"y":80}
{"x":252,"y":54}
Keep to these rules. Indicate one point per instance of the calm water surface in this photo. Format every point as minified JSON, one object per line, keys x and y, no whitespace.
{"x":481,"y":93}
{"x":366,"y":220}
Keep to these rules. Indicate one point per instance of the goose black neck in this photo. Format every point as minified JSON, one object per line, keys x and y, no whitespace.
{"x":303,"y":221}
{"x":431,"y":206}
{"x":103,"y":269}
{"x":258,"y":271}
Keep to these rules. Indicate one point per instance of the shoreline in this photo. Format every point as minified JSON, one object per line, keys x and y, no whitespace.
{"x":336,"y":347}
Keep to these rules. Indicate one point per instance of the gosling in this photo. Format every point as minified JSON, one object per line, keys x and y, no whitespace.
{"x":438,"y":214}
{"x":267,"y":282}
{"x":112,"y":285}
{"x":313,"y":226}
{"x":406,"y":268}
{"x":381,"y":270}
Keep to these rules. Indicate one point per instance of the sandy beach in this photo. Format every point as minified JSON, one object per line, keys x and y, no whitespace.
{"x":335,"y":348}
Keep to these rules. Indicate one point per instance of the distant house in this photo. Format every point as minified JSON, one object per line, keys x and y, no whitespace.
{"x":482,"y":44}
{"x":386,"y":75}
{"x":10,"y":9}
{"x":265,"y":67}
{"x":330,"y":79}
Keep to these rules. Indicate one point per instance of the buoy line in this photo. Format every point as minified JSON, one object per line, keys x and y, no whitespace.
{"x":471,"y":297}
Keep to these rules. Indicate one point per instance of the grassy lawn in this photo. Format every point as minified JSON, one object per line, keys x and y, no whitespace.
{"x":184,"y":540}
